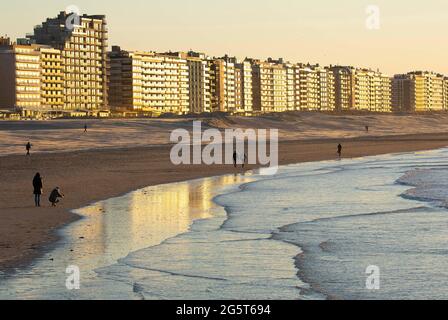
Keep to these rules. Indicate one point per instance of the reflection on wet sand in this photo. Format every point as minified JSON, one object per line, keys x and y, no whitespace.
{"x":144,"y":218}
{"x":114,"y":228}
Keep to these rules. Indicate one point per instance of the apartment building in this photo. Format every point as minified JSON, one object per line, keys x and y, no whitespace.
{"x":84,"y":53}
{"x":147,"y":81}
{"x":238,"y":90}
{"x":245,"y":71}
{"x":326,"y":94}
{"x":402,"y":96}
{"x":310,"y":87}
{"x":199,"y":82}
{"x":52,"y":79}
{"x":372,"y":91}
{"x":32,"y":78}
{"x":419,"y":91}
{"x":20,"y":77}
{"x":269,"y":83}
{"x":223,"y":84}
{"x":361,"y":89}
{"x":445,"y":93}
{"x":306,"y":87}
{"x":291,"y":80}
{"x":343,"y":87}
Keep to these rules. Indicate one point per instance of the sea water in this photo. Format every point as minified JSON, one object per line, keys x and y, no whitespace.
{"x":309,"y":232}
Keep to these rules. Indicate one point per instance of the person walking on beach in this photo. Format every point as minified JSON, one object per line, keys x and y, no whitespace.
{"x":340,"y":150}
{"x":244,"y":160}
{"x":85,"y":127}
{"x":28,"y":148}
{"x":367,"y":129}
{"x":38,"y":186}
{"x":234,"y":158}
{"x":54,"y":196}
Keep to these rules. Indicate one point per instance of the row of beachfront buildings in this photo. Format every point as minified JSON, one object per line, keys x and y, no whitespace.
{"x":57,"y":71}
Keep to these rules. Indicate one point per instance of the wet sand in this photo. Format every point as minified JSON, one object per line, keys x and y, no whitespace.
{"x":89,"y":176}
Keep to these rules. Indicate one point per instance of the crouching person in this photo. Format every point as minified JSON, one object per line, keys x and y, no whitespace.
{"x":55,"y":195}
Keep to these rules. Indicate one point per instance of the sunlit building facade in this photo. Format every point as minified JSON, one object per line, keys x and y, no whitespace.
{"x":245,"y":70}
{"x":199,"y":82}
{"x":84,"y":54}
{"x":52,"y":79}
{"x":223,"y":84}
{"x":361,"y":89}
{"x":419,"y":91}
{"x":20,"y":78}
{"x":269,"y":83}
{"x":147,"y":81}
{"x":291,"y":80}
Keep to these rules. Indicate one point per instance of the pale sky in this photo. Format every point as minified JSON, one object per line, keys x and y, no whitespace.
{"x":412,"y":36}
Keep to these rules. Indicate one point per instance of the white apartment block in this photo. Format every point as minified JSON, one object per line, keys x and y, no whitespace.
{"x":146,"y":81}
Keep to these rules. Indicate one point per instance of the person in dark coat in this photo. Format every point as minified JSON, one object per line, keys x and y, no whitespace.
{"x":28,"y":148}
{"x":55,"y":195}
{"x":234,"y":158}
{"x":38,"y":186}
{"x":340,"y":150}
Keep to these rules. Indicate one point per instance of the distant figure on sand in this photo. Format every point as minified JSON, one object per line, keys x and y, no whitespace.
{"x":55,"y":195}
{"x":37,"y":185}
{"x":234,"y":158}
{"x":340,"y":150}
{"x":367,"y":128}
{"x":244,"y":160}
{"x":28,"y":148}
{"x":85,"y":128}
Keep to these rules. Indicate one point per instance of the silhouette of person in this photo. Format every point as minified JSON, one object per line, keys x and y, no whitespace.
{"x":340,"y":150}
{"x":234,"y":158}
{"x":28,"y":148}
{"x":55,"y":195}
{"x":85,"y":128}
{"x":37,"y":185}
{"x":367,"y":128}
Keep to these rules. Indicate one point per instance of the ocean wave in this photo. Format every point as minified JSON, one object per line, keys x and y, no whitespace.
{"x":429,"y":185}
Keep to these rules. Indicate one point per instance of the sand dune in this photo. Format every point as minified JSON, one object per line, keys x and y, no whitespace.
{"x":67,"y":135}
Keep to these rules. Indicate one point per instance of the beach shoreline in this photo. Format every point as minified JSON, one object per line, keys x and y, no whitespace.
{"x":96,"y":175}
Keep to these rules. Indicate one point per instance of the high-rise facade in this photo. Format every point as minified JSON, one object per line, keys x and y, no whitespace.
{"x":291,"y":89}
{"x":52,"y":79}
{"x":199,"y":82}
{"x":84,"y":53}
{"x":223,"y":83}
{"x":32,"y":78}
{"x":361,"y":89}
{"x":63,"y":68}
{"x":246,"y":71}
{"x":20,"y":78}
{"x":445,"y":93}
{"x":269,"y":83}
{"x":147,"y":81}
{"x":343,"y":87}
{"x":419,"y":91}
{"x":326,"y":94}
{"x":372,"y":91}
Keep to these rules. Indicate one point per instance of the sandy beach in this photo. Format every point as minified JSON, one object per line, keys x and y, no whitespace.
{"x":86,"y":176}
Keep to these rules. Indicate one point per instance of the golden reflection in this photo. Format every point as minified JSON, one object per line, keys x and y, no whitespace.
{"x":146,"y":217}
